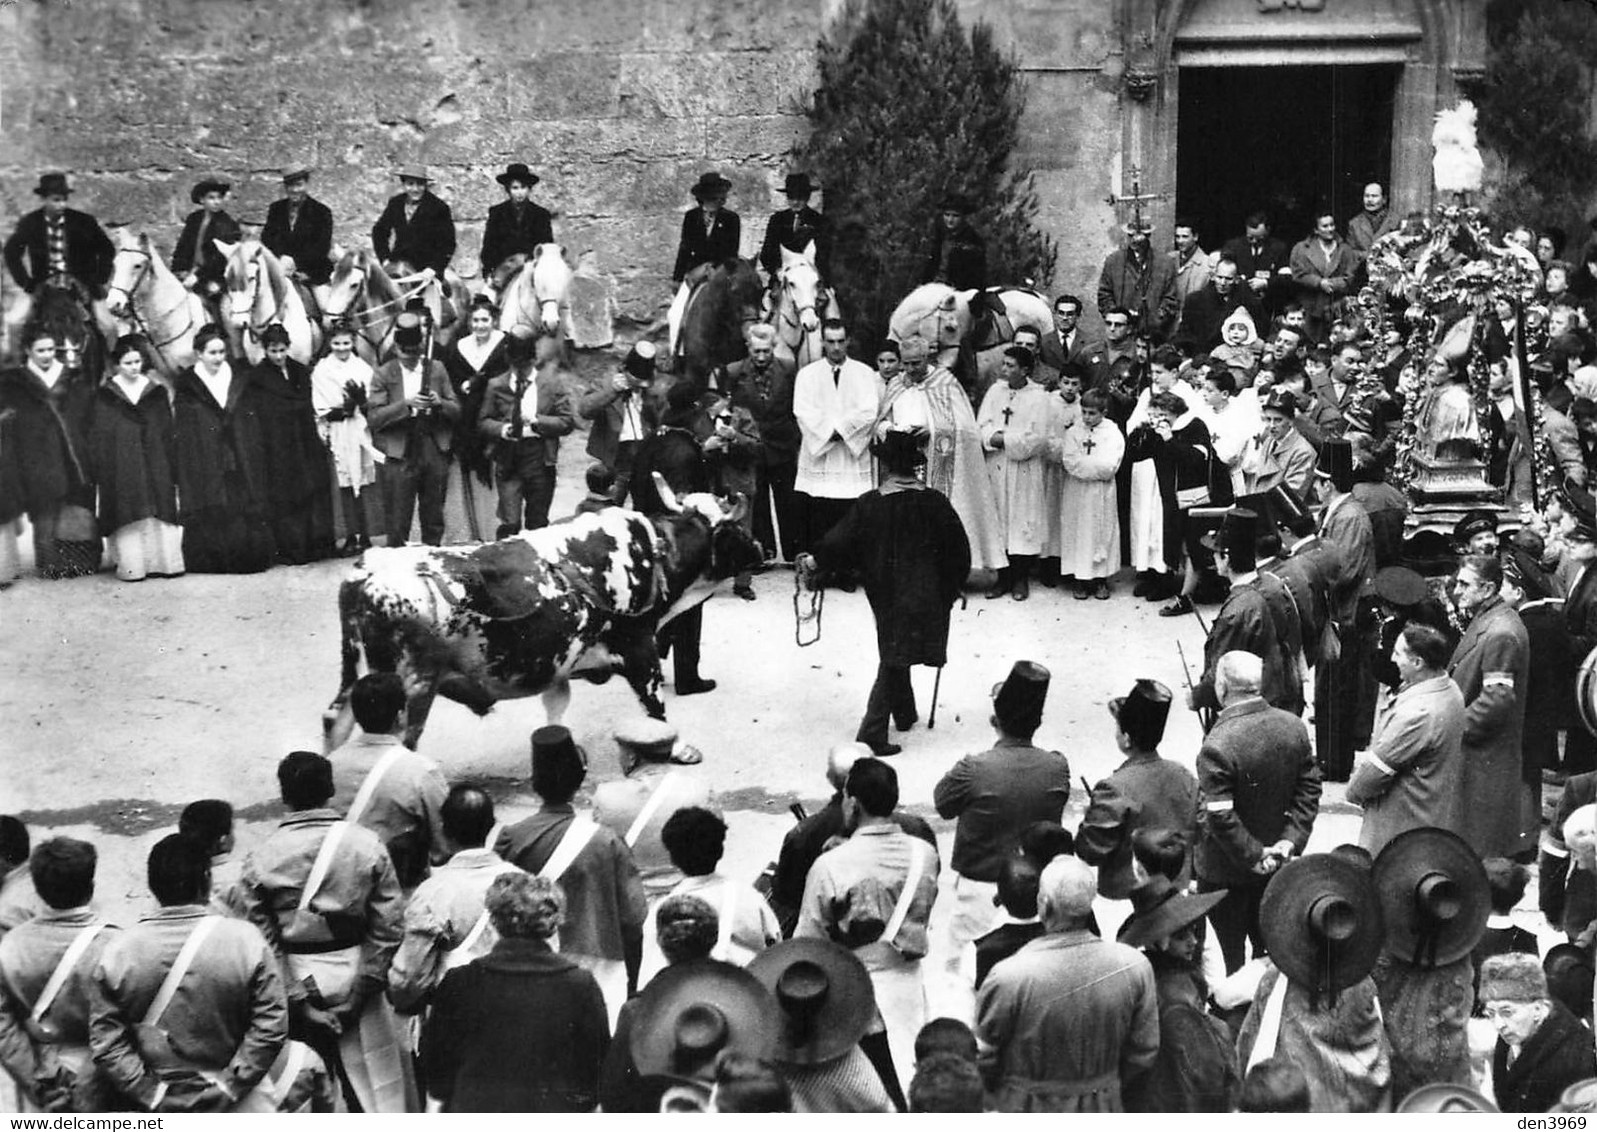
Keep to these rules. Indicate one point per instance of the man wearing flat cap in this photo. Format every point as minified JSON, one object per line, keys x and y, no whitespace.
{"x":796,"y":228}
{"x":59,"y":244}
{"x":416,"y":231}
{"x":299,"y":230}
{"x":958,"y":255}
{"x":1145,"y":792}
{"x":515,"y":227}
{"x":996,"y":794}
{"x":196,"y":259}
{"x":1069,"y":1020}
{"x":1476,"y":533}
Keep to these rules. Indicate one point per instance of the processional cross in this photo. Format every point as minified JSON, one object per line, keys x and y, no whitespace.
{"x":1135,"y":198}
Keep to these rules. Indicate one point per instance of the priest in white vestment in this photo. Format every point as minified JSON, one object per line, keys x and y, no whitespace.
{"x":1017,"y":417}
{"x":835,"y":401}
{"x":1089,"y":452}
{"x":929,"y":399}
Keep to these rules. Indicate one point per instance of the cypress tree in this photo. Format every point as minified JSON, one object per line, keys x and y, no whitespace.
{"x":911,"y":107}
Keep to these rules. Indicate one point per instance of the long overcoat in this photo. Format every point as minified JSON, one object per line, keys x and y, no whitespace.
{"x":1490,"y":666}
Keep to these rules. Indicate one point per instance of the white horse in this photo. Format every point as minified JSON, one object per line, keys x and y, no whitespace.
{"x":260,"y":294}
{"x":801,"y":305}
{"x":983,"y":322}
{"x":148,"y":299}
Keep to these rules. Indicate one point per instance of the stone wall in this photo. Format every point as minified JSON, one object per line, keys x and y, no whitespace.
{"x":619,"y":104}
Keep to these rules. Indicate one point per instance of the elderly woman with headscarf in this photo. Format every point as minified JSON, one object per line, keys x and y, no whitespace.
{"x":521,"y":1029}
{"x":1541,"y":1048}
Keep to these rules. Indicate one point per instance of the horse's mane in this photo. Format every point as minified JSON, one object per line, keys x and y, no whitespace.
{"x":379,"y":284}
{"x":275,"y":275}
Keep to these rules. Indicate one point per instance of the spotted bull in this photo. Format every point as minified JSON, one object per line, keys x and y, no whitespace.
{"x":522,"y":616}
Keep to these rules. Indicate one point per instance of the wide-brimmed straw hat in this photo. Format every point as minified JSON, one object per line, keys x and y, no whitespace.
{"x":1434,"y":896}
{"x":1321,"y":919}
{"x":1160,"y":909}
{"x":692,"y":1012}
{"x":824,"y":997}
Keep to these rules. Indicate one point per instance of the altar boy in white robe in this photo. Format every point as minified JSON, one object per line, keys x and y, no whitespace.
{"x":1089,"y":452}
{"x":835,"y":401}
{"x":1017,"y":417}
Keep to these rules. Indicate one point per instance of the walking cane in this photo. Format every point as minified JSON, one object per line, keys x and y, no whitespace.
{"x":937,"y":684}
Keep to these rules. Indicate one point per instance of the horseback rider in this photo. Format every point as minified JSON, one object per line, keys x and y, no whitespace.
{"x":515,"y":227}
{"x":299,"y":231}
{"x":59,"y":246}
{"x":711,"y":232}
{"x":416,"y":233}
{"x":959,"y":255}
{"x":795,"y":228}
{"x":196,"y":259}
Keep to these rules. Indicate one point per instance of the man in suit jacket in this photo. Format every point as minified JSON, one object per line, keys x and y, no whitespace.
{"x":515,"y":225}
{"x":711,"y":233}
{"x":55,"y":240}
{"x":196,"y":259}
{"x":299,"y":229}
{"x":795,"y":228}
{"x":416,"y":229}
{"x":1258,"y":796}
{"x":524,"y":415}
{"x":1069,"y":343}
{"x":1322,"y":272}
{"x":1262,"y":261}
{"x":625,"y":411}
{"x":412,"y":412}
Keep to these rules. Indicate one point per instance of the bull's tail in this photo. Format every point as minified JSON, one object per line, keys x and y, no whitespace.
{"x":334,"y":727}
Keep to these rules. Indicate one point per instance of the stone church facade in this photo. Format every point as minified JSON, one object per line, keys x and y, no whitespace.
{"x":1220,"y":105}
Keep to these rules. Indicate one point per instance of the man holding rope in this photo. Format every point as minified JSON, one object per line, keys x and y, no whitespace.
{"x":908,"y":544}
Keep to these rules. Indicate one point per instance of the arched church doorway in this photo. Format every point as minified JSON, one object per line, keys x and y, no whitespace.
{"x":1288,"y":139}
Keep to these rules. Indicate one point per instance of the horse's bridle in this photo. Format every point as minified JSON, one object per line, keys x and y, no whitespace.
{"x":139,"y":320}
{"x":797,"y":321}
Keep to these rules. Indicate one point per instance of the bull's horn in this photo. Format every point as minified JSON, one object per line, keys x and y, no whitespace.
{"x":667,"y":497}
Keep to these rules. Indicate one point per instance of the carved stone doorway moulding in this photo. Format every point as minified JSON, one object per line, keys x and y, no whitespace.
{"x":1448,"y":52}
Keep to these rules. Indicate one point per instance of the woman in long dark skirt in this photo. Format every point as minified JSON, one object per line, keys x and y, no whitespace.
{"x":44,"y":416}
{"x":299,"y":495}
{"x":221,"y":464}
{"x":131,"y":441}
{"x":472,"y":361}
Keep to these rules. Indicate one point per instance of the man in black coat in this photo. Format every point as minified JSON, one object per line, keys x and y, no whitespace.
{"x":416,"y":229}
{"x":1206,"y":309}
{"x":55,"y":241}
{"x":711,"y":233}
{"x":958,"y":254}
{"x":910,"y":546}
{"x":1258,"y":796}
{"x":299,"y":230}
{"x":795,"y":228}
{"x":1580,"y":614}
{"x":195,"y":258}
{"x":515,"y":226}
{"x":1261,"y":261}
{"x":675,"y":450}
